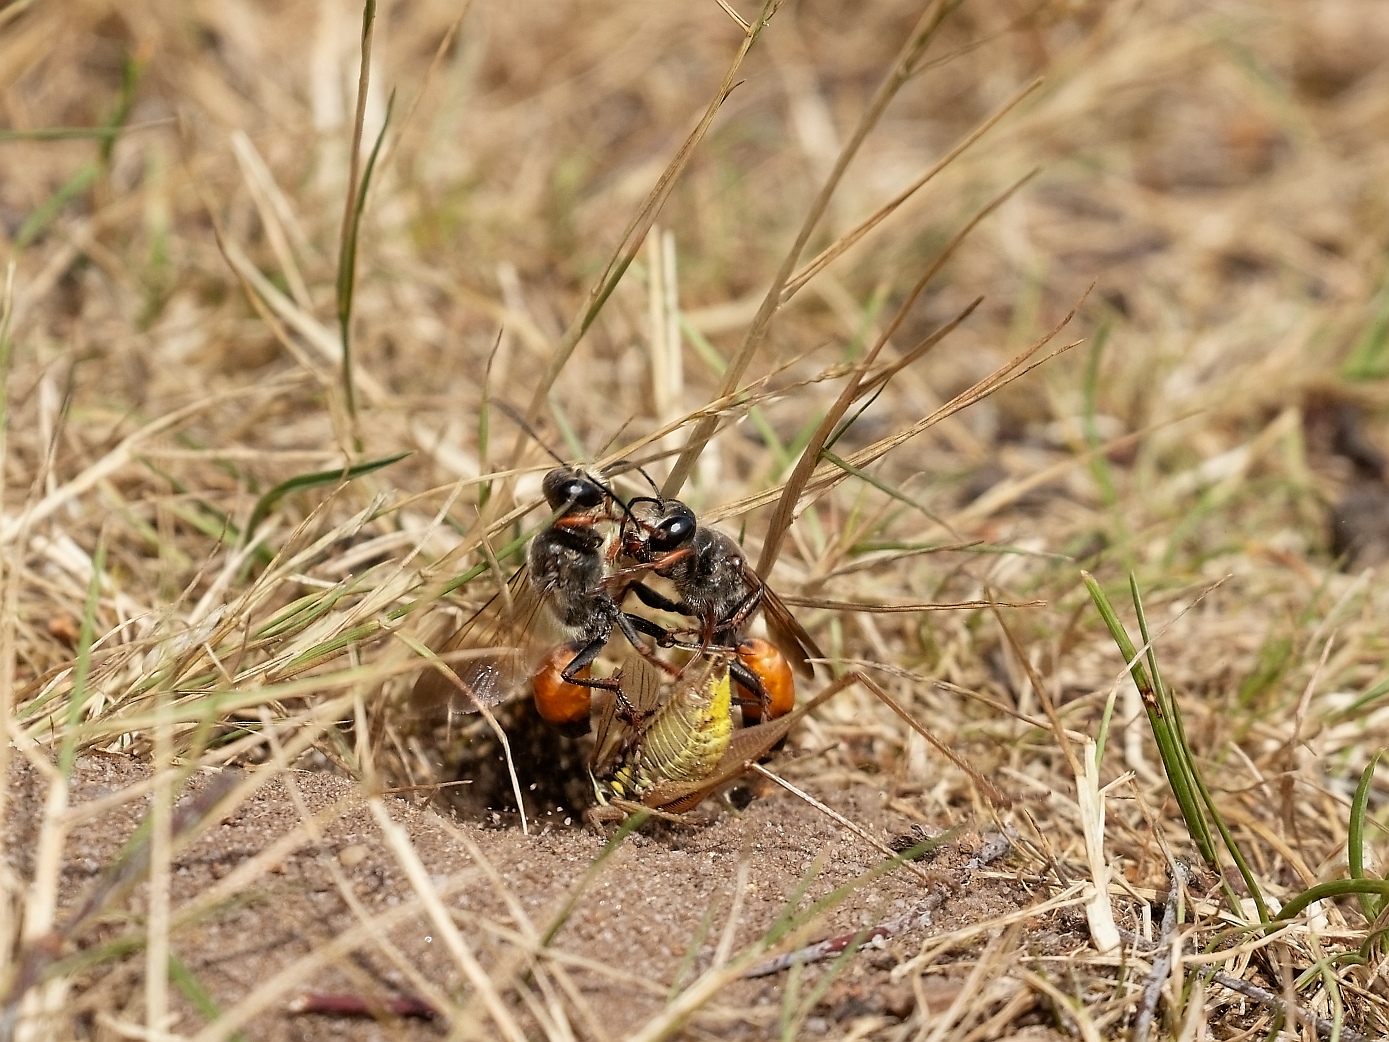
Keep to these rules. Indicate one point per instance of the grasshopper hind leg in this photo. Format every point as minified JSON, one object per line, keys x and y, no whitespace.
{"x":616,"y":811}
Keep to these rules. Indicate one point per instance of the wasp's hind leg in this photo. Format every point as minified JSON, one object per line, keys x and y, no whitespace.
{"x":584,"y":658}
{"x":750,"y":682}
{"x":743,"y":612}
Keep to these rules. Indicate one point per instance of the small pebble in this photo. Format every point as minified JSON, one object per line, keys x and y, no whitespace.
{"x":352,"y":856}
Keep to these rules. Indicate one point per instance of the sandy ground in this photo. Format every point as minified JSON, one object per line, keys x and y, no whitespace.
{"x":663,"y":894}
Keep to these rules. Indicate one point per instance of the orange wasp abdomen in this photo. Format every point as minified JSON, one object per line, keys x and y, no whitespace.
{"x":560,"y":703}
{"x":765,"y":660}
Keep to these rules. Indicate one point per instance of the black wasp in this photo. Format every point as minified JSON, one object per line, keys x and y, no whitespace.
{"x":722,"y":591}
{"x":569,"y":585}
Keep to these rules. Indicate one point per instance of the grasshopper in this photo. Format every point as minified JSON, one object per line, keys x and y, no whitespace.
{"x":686,"y":746}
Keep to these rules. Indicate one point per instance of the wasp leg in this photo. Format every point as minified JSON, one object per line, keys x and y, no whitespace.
{"x":750,"y":682}
{"x":633,"y":625}
{"x":663,"y":636}
{"x":655,"y":599}
{"x":744,"y":611}
{"x":630,"y":625}
{"x":586,"y":657}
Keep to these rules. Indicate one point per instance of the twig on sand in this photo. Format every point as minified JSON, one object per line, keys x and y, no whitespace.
{"x":1162,"y":964}
{"x":994,"y":848}
{"x":345,"y":1005}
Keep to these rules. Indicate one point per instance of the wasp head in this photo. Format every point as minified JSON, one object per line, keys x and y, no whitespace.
{"x":576,"y":496}
{"x":657,"y":526}
{"x":568,"y":488}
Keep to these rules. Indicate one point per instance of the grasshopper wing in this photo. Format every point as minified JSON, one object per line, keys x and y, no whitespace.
{"x":640,"y":686}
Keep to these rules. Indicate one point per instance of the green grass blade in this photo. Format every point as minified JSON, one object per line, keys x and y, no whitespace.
{"x":1372,"y":695}
{"x":1174,"y":765}
{"x":702,"y":346}
{"x":1118,"y":633}
{"x":187,"y":982}
{"x":791,"y":919}
{"x":1370,"y":904}
{"x":831,"y":974}
{"x":86,"y":176}
{"x":352,"y":213}
{"x":267,"y":502}
{"x":1183,"y":764}
{"x":1335,"y":888}
{"x":572,"y":442}
{"x":1149,"y":652}
{"x":42,"y":217}
{"x":1369,"y":358}
{"x":484,"y":425}
{"x":60,"y":134}
{"x":628,"y":826}
{"x":692,"y":950}
{"x":881,"y":486}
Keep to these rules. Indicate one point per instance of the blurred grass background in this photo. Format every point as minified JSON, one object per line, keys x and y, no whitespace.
{"x":1216,"y":171}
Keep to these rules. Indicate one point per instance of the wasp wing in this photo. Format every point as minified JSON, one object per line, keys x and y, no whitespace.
{"x":786,"y":633}
{"x":490,"y":653}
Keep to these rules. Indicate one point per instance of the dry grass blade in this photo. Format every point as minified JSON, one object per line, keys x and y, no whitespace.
{"x":431,"y":900}
{"x":44,"y":948}
{"x":1066,"y":1006}
{"x":995,"y":847}
{"x":1001,"y":377}
{"x":896,"y":609}
{"x":180,"y":184}
{"x":836,"y":817}
{"x":828,"y":476}
{"x":915,"y":45}
{"x":124,"y":453}
{"x":1043,"y":692}
{"x":1162,"y":964}
{"x":274,"y":989}
{"x":845,"y":242}
{"x":805,"y":466}
{"x":446,"y":42}
{"x":630,"y":242}
{"x":990,"y":791}
{"x":989,"y":964}
{"x":9,"y":616}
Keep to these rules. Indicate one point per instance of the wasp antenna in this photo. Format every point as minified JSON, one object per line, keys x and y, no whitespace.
{"x":520,"y":421}
{"x":616,"y":499}
{"x":654,"y":487}
{"x":626,"y":510}
{"x":625,"y":466}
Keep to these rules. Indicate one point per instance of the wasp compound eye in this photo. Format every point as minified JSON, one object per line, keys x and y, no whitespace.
{"x":674,"y":530}
{"x":567,"y":489}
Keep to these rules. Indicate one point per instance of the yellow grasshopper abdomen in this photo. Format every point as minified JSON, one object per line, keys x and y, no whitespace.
{"x":683,"y":740}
